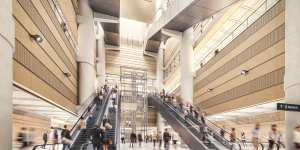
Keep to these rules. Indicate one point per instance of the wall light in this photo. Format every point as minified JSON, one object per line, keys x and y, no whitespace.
{"x":37,"y":38}
{"x":244,"y":72}
{"x":216,"y":52}
{"x":64,"y":27}
{"x":209,"y":90}
{"x":67,"y":74}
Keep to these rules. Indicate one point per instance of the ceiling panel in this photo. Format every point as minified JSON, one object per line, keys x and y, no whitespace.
{"x":109,"y":7}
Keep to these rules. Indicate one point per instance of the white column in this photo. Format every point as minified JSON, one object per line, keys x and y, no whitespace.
{"x":159,"y":68}
{"x":101,"y":62}
{"x":86,"y":55}
{"x":292,"y":66}
{"x":160,"y":122}
{"x":159,"y":80}
{"x":7,"y":35}
{"x":186,"y":56}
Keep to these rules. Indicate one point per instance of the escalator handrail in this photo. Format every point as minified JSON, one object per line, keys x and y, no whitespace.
{"x":101,"y":113}
{"x":117,"y":126}
{"x":208,"y":121}
{"x":106,"y":100}
{"x":119,"y":122}
{"x":171,"y":106}
{"x":36,"y":146}
{"x":85,"y":112}
{"x":179,"y":119}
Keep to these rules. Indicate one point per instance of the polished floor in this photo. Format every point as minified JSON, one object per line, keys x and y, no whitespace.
{"x":149,"y":146}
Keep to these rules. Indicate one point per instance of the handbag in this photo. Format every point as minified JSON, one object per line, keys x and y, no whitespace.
{"x":110,"y":142}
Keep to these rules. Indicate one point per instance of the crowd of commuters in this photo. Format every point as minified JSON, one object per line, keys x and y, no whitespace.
{"x":60,"y":138}
{"x":160,"y":139}
{"x":274,"y":139}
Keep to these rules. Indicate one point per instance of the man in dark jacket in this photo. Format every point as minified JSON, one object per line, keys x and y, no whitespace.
{"x":97,"y":137}
{"x":66,"y":137}
{"x":132,"y":139}
{"x":166,"y":138}
{"x":45,"y":139}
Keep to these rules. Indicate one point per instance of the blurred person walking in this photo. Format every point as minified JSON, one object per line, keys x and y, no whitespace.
{"x":22,"y":138}
{"x":66,"y":138}
{"x":154,"y":139}
{"x":45,"y":139}
{"x":140,"y":139}
{"x":297,"y":137}
{"x":159,"y":139}
{"x":233,"y":135}
{"x":273,"y":136}
{"x":166,"y":138}
{"x":255,"y":136}
{"x":243,"y":138}
{"x":132,"y":139}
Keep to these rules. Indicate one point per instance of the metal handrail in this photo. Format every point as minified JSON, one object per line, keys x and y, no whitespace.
{"x":36,"y":146}
{"x":117,"y":137}
{"x":232,"y":33}
{"x":214,"y":132}
{"x":84,"y":114}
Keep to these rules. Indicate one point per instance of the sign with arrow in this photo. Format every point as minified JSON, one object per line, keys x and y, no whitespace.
{"x":288,"y":107}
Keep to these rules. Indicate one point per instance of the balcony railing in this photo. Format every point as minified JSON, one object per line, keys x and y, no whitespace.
{"x":264,"y":7}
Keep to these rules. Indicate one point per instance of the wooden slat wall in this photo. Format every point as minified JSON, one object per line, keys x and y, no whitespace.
{"x":259,"y":49}
{"x":40,"y":67}
{"x":132,"y":58}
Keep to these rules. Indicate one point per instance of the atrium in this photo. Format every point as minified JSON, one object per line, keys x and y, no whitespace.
{"x":149,"y":75}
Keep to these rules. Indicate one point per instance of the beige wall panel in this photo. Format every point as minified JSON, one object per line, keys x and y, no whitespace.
{"x":51,"y":26}
{"x":32,"y":27}
{"x":258,"y":66}
{"x":115,"y":69}
{"x":69,"y":13}
{"x":269,"y":94}
{"x":268,"y":67}
{"x":276,"y":22}
{"x":132,"y":58}
{"x":22,"y":36}
{"x":29,"y":80}
{"x":173,"y":76}
{"x":131,"y":61}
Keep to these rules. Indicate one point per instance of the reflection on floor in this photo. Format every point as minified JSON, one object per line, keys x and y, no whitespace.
{"x":149,"y":146}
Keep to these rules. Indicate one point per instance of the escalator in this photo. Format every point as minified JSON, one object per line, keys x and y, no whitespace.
{"x":82,"y":136}
{"x":188,"y":128}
